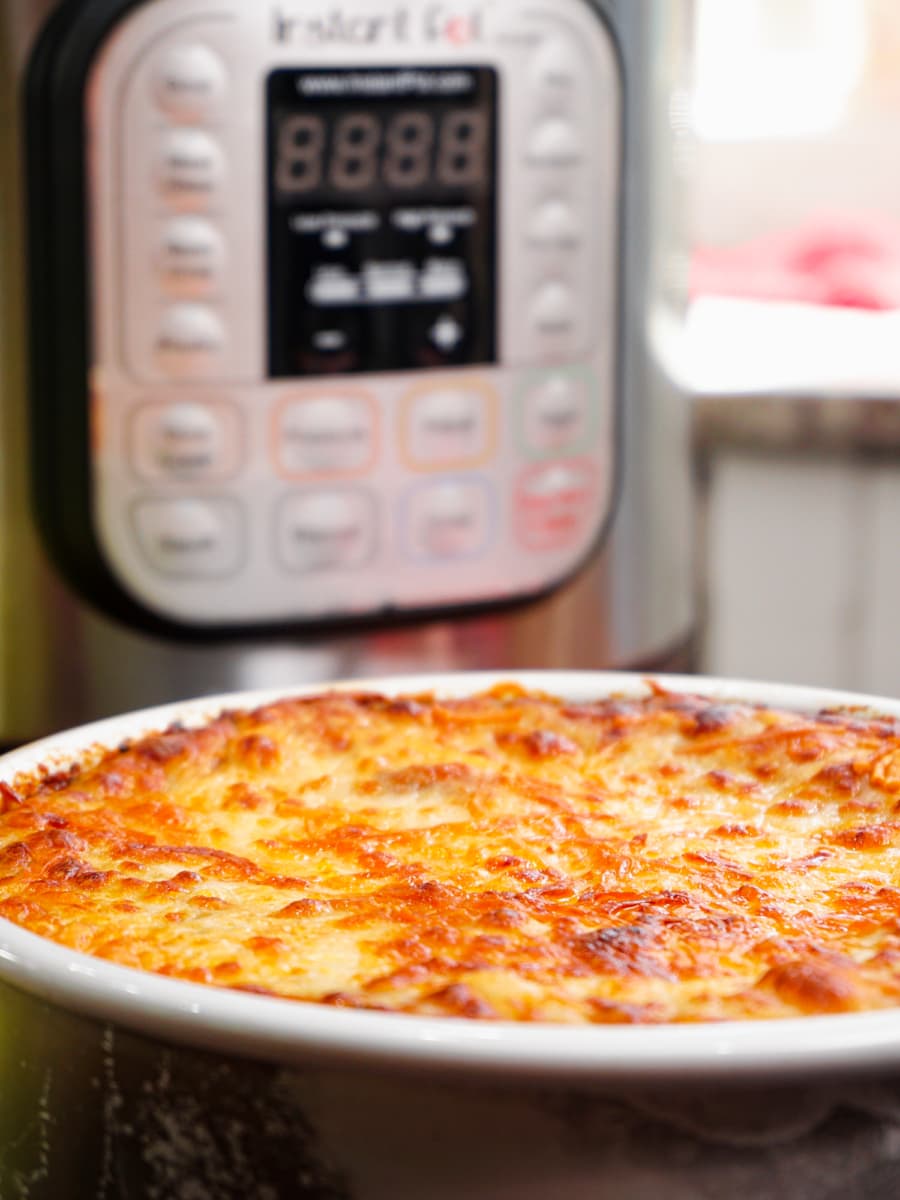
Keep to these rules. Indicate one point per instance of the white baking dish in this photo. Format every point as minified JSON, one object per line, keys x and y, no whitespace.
{"x":380,"y":1106}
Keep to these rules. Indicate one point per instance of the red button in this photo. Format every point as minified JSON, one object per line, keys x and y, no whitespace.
{"x":554,"y":502}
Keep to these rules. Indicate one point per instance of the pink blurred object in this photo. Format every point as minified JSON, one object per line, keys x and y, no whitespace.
{"x":842,"y":262}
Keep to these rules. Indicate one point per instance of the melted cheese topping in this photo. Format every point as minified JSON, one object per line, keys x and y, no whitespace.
{"x":508,"y":855}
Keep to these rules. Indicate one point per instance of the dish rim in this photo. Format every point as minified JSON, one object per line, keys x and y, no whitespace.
{"x":291,"y":1032}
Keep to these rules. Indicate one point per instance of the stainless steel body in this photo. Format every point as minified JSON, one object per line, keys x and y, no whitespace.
{"x":61,"y":663}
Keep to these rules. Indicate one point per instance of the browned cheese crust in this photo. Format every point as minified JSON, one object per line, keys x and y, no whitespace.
{"x":509,"y":856}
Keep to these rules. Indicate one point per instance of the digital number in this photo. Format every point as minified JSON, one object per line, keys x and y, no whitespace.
{"x":464,"y":138}
{"x":354,"y":160}
{"x":301,"y":142}
{"x":364,"y":153}
{"x":410,"y":138}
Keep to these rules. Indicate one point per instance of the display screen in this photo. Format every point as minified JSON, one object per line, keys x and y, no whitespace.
{"x":382,"y":219}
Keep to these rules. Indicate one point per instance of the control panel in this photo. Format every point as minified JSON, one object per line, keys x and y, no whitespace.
{"x":354,"y":283}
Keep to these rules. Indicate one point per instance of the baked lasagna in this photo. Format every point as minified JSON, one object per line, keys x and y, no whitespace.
{"x":508,"y":856}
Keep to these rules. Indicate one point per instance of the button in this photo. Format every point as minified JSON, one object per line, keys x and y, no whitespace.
{"x":327,"y":434}
{"x":328,"y":344}
{"x":190,"y":340}
{"x":331,"y":341}
{"x":190,"y":82}
{"x":193,"y":539}
{"x":449,"y":426}
{"x":335,"y":239}
{"x":326,"y":531}
{"x":441,"y":233}
{"x":186,"y":441}
{"x":192,"y":168}
{"x":446,"y":334}
{"x":191,"y":256}
{"x":450,"y":520}
{"x":555,"y":144}
{"x":555,"y":69}
{"x":553,"y":311}
{"x":557,"y":413}
{"x":554,"y":504}
{"x":555,"y":226}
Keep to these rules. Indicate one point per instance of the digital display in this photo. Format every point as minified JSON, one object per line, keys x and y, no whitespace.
{"x":382,"y":219}
{"x":412,"y":149}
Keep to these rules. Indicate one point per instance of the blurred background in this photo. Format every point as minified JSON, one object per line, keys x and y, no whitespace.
{"x":757,"y":534}
{"x":792,"y":349}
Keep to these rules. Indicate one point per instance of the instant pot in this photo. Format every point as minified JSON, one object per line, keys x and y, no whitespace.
{"x":331,"y":344}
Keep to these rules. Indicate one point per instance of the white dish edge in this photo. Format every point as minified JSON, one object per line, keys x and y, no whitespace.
{"x":290,"y":1032}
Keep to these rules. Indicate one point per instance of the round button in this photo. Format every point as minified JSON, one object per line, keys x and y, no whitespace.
{"x":190,"y":538}
{"x":186,"y":441}
{"x":555,"y":144}
{"x":326,"y":531}
{"x":555,"y":505}
{"x":553,"y":311}
{"x":449,"y":426}
{"x":556,"y":413}
{"x":190,"y":340}
{"x":326,"y":434}
{"x":450,"y":520}
{"x":555,"y":70}
{"x":190,"y":82}
{"x":192,"y":168}
{"x":554,"y":482}
{"x":446,"y":333}
{"x":191,"y":256}
{"x":554,"y":226}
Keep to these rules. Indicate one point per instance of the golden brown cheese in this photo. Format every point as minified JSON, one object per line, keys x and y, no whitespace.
{"x":509,"y":855}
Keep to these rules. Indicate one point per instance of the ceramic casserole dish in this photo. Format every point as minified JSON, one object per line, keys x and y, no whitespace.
{"x":116,"y":1083}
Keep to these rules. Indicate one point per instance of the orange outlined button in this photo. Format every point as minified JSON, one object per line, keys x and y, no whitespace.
{"x":325,"y":434}
{"x":449,"y":425}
